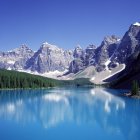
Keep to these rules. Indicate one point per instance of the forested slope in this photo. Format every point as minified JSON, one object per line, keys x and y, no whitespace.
{"x":14,"y":79}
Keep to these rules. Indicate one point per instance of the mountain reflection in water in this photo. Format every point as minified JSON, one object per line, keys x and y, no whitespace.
{"x":51,"y":107}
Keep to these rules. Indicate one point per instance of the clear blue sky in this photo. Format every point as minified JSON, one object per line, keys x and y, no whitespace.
{"x":65,"y":23}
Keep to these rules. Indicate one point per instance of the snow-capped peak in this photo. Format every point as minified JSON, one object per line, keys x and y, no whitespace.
{"x":78,"y":47}
{"x":137,"y":24}
{"x":118,"y":39}
{"x":91,"y":47}
{"x":23,"y":47}
{"x":50,"y":46}
{"x":45,"y":43}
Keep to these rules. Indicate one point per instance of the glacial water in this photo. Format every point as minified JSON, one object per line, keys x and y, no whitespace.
{"x":68,"y":114}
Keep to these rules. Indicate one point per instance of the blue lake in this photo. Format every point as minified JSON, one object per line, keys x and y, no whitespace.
{"x":68,"y":114}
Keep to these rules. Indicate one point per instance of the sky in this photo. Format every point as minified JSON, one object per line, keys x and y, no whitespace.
{"x":65,"y":23}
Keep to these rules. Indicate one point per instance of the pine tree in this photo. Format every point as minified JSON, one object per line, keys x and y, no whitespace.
{"x":135,"y":88}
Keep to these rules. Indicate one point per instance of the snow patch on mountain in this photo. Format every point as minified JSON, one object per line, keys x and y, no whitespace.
{"x":103,"y":75}
{"x":107,"y":63}
{"x":92,"y":78}
{"x":11,"y":62}
{"x":112,"y":74}
{"x":52,"y":74}
{"x":9,"y":68}
{"x":50,"y":46}
{"x":137,"y":24}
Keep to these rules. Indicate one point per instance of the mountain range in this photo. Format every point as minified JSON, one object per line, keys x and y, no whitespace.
{"x":113,"y":59}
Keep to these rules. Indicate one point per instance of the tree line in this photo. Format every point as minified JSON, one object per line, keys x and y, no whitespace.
{"x":13,"y":79}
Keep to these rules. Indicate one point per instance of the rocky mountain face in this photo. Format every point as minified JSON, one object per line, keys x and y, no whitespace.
{"x":90,"y":55}
{"x":128,"y":53}
{"x":78,"y":63}
{"x":112,"y":52}
{"x":15,"y":59}
{"x":128,"y":45}
{"x":105,"y":51}
{"x":49,"y":58}
{"x":131,"y":73}
{"x":94,"y":56}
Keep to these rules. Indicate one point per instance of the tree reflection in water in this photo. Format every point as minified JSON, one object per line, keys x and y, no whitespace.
{"x":53,"y":106}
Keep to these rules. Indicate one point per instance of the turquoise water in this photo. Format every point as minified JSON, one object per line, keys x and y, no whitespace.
{"x":68,"y":114}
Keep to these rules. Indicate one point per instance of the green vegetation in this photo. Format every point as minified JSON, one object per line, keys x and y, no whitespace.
{"x":14,"y":79}
{"x":135,"y":88}
{"x":77,"y":82}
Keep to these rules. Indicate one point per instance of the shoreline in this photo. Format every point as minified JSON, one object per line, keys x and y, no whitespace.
{"x":131,"y":96}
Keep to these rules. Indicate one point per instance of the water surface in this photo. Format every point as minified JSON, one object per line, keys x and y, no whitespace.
{"x":68,"y":114}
